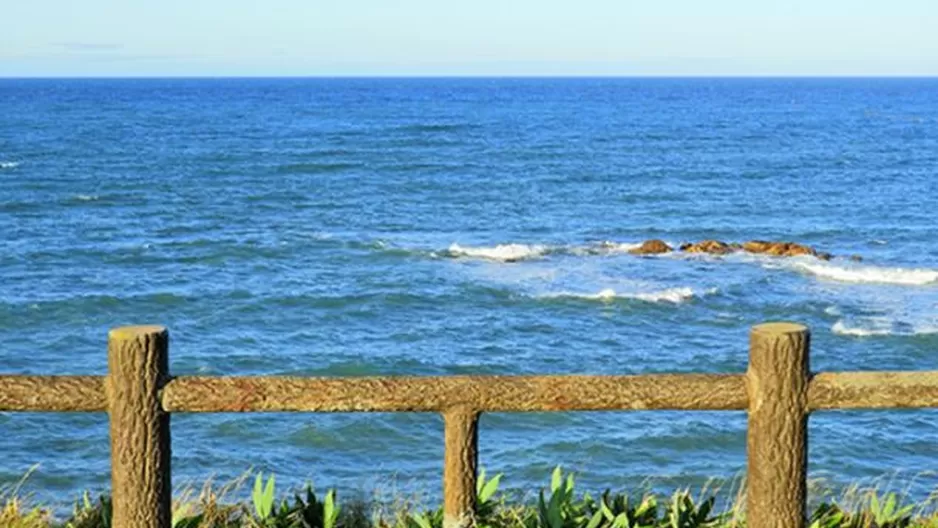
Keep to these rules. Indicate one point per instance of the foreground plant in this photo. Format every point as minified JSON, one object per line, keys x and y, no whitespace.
{"x":305,"y":512}
{"x":559,"y":505}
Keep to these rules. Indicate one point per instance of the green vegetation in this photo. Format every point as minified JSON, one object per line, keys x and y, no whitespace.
{"x":558,"y":506}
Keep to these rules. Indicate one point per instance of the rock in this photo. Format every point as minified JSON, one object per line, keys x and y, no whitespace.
{"x":856,"y":258}
{"x":778,"y":249}
{"x":651,"y":247}
{"x":756,"y":246}
{"x":764,"y":247}
{"x":794,"y":250}
{"x":713,"y":247}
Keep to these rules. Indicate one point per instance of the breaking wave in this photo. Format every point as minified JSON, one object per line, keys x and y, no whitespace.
{"x":881,"y":327}
{"x":603,"y":248}
{"x":515,"y":252}
{"x":865,"y":273}
{"x":870,"y":329}
{"x":500,"y":253}
{"x":9,"y":164}
{"x":670,"y":295}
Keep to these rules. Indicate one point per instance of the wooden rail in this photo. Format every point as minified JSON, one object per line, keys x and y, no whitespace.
{"x":778,"y":391}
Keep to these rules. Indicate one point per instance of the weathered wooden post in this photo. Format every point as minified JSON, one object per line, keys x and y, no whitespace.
{"x":138,"y":365}
{"x":777,"y":438}
{"x":461,"y":458}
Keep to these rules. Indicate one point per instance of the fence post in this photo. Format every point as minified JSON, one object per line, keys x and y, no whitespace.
{"x":777,"y":437}
{"x":138,"y":365}
{"x":461,"y":432}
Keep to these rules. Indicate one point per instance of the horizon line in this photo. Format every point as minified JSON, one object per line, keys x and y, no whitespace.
{"x":476,"y":76}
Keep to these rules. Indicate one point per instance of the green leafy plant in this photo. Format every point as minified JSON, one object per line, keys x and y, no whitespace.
{"x":91,"y":514}
{"x":616,"y":512}
{"x":683,"y":513}
{"x":263,"y":497}
{"x":561,"y":510}
{"x":426,"y":519}
{"x":828,"y":516}
{"x":888,"y":514}
{"x":556,"y":506}
{"x":485,"y":495}
{"x":310,"y":512}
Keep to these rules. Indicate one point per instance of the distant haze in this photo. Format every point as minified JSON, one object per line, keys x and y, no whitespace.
{"x":483,"y":37}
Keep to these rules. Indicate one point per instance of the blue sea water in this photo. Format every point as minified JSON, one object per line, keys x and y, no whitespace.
{"x":346,"y":227}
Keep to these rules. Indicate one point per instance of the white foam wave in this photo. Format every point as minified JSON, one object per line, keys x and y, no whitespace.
{"x":607,"y":248}
{"x":514,"y":252}
{"x":882,"y":327}
{"x":864,"y":273}
{"x":875,"y":329}
{"x":86,"y":197}
{"x":9,"y":164}
{"x":670,"y":295}
{"x":501,"y":252}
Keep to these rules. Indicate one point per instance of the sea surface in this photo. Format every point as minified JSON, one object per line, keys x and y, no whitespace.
{"x":350,"y":227}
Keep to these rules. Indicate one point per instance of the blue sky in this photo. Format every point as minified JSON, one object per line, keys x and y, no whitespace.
{"x":467,"y":37}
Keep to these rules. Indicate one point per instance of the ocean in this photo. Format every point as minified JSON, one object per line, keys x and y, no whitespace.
{"x":350,"y":227}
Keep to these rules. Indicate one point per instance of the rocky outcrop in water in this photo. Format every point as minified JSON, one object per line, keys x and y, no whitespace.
{"x":762,"y":247}
{"x":718,"y":247}
{"x":782,"y":249}
{"x":713,"y":247}
{"x":651,"y":247}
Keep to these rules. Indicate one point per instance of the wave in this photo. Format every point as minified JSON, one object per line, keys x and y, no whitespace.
{"x":604,"y":248}
{"x":670,"y":295}
{"x":86,"y":197}
{"x":838,"y":270}
{"x":515,"y":252}
{"x":501,"y":252}
{"x":865,"y":273}
{"x":9,"y":164}
{"x":843,"y":328}
{"x":872,"y":327}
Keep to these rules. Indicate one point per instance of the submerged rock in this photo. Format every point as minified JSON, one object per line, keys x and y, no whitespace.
{"x":651,"y":247}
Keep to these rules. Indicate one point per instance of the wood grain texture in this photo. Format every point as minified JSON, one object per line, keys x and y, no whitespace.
{"x":777,"y":441}
{"x":140,"y":437}
{"x":436,"y":394}
{"x":827,"y":390}
{"x":873,"y":390}
{"x":52,"y":393}
{"x":461,"y":458}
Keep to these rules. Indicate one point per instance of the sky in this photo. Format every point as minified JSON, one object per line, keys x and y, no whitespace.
{"x":130,"y":38}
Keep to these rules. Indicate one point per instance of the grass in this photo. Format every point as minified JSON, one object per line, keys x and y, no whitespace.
{"x":558,"y":505}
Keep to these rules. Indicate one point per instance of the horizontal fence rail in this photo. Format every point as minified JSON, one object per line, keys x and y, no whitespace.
{"x":778,"y":392}
{"x":189,"y":394}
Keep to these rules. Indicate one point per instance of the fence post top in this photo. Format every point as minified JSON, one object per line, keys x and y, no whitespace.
{"x":780,"y":328}
{"x":131,"y":332}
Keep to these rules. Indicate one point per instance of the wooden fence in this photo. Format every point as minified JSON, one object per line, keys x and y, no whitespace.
{"x":778,"y":391}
